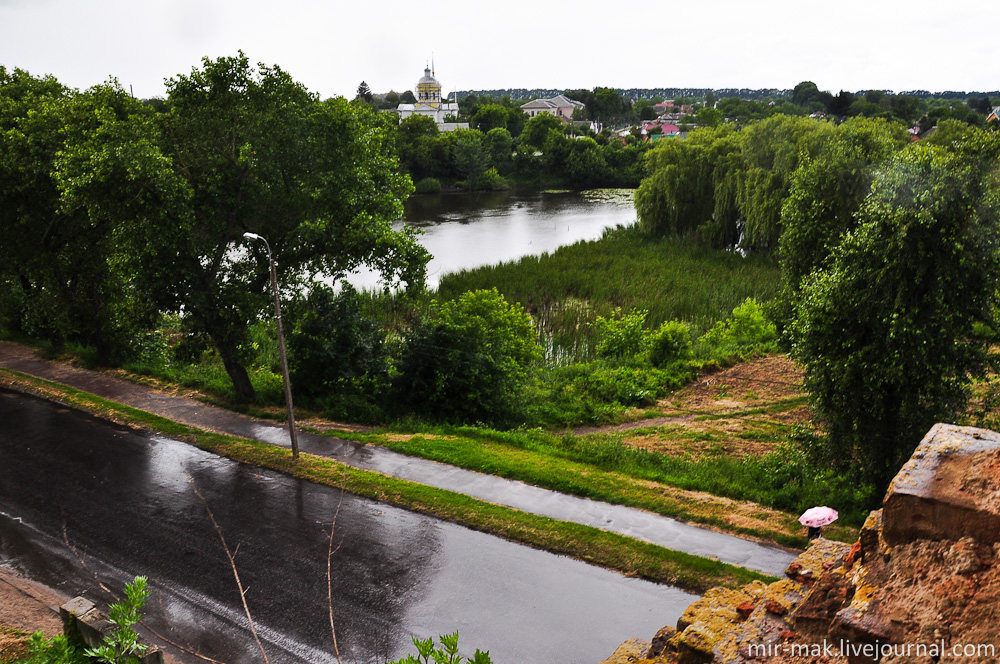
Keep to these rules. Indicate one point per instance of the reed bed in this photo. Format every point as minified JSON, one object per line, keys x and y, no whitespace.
{"x":671,"y":278}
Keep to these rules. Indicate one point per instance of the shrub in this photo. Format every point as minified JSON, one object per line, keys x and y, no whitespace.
{"x":747,"y":328}
{"x":671,"y":342}
{"x":467,"y":360}
{"x":337,"y":355}
{"x":621,"y":336}
{"x":428,"y":186}
{"x":447,"y":653}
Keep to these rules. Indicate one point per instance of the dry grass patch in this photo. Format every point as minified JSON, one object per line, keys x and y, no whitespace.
{"x":745,"y":410}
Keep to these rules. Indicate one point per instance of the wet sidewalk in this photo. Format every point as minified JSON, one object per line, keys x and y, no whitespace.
{"x":639,"y":524}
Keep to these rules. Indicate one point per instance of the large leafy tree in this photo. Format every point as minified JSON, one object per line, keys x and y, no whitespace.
{"x":259,"y":153}
{"x":887,"y":331}
{"x":81,"y":171}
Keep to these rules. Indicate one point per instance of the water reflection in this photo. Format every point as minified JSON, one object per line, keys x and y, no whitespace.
{"x":468,"y":230}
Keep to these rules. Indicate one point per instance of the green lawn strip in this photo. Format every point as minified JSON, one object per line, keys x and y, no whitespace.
{"x":624,"y":554}
{"x":552,"y":468}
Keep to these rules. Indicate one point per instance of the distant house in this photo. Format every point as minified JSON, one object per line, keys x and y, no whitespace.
{"x":994,"y":115}
{"x":559,"y":106}
{"x":656,"y":131}
{"x":664,"y":106}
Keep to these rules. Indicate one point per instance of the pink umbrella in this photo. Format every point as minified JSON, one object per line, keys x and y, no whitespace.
{"x":817,"y":517}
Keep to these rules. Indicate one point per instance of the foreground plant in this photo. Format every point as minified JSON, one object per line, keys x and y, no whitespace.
{"x":447,"y":653}
{"x":122,"y":645}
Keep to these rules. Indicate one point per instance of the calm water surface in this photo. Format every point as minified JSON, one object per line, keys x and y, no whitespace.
{"x":469,"y":230}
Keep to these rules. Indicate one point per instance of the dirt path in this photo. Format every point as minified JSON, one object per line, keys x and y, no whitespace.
{"x":27,"y":606}
{"x":740,"y":410}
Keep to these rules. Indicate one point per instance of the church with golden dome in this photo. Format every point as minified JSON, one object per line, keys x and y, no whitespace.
{"x":430,"y":102}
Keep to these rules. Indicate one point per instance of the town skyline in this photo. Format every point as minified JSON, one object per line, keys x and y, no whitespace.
{"x":773,"y":45}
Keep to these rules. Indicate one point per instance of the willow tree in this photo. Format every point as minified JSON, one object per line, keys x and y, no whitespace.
{"x":826,"y":192}
{"x":728,"y":185}
{"x":888,"y":329}
{"x":678,"y":194}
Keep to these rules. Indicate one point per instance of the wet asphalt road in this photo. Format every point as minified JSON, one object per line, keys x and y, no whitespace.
{"x":80,"y":498}
{"x":640,"y":524}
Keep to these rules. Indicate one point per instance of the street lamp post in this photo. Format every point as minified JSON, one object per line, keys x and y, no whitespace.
{"x":281,"y":346}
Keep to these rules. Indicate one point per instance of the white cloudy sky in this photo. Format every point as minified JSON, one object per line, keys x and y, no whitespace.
{"x":331,"y":46}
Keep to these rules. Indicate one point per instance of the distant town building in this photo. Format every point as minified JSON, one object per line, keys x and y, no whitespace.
{"x":994,"y":115}
{"x":559,"y":106}
{"x":430,"y":103}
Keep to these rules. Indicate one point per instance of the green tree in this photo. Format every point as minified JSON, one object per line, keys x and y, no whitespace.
{"x":489,"y":116}
{"x":467,"y":360}
{"x":887,"y":331}
{"x":80,"y":171}
{"x":536,"y":129}
{"x":259,"y":153}
{"x":499,"y":146}
{"x":826,"y":192}
{"x":421,"y":154}
{"x":585,"y":165}
{"x":468,"y":155}
{"x":708,"y":117}
{"x":805,"y":93}
{"x":771,"y":151}
{"x":679,"y":192}
{"x":365,"y":93}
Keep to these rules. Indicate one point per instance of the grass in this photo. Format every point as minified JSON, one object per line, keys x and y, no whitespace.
{"x":670,"y":278}
{"x":13,"y":644}
{"x":727,"y":494}
{"x":626,"y":555}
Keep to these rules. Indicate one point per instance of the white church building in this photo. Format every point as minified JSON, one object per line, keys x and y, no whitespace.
{"x":429,"y":103}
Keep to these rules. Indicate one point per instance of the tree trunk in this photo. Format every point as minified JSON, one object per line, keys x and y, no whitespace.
{"x":241,"y":380}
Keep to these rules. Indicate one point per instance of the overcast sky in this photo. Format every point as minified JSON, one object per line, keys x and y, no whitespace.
{"x":331,"y":46}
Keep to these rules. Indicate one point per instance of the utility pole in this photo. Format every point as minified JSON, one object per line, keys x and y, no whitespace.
{"x":281,"y":346}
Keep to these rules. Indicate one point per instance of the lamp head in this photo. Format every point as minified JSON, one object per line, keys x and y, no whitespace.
{"x":252,"y":236}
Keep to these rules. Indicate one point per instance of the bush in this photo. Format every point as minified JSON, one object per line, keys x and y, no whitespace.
{"x":671,"y":342}
{"x":468,"y":360}
{"x":621,"y":336}
{"x":748,"y":328}
{"x":447,"y":653}
{"x":428,"y":186}
{"x":337,"y":355}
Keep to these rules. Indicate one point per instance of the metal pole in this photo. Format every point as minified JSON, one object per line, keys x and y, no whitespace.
{"x":281,"y":347}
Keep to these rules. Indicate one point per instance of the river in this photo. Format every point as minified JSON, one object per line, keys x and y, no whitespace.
{"x":467,"y":230}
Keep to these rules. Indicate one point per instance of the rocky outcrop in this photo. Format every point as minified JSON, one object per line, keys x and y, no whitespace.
{"x":920,"y":586}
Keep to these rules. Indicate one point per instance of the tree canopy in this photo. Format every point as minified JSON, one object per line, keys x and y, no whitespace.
{"x":166,"y":198}
{"x":887,"y":331}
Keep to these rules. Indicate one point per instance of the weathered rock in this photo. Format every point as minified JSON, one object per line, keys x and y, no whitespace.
{"x":923,"y":576}
{"x":633,"y":650}
{"x":963,"y":556}
{"x":706,"y":622}
{"x":660,"y":641}
{"x":947,"y":490}
{"x":811,"y":564}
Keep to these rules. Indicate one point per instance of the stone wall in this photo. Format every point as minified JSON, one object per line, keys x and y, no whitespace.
{"x":920,"y":585}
